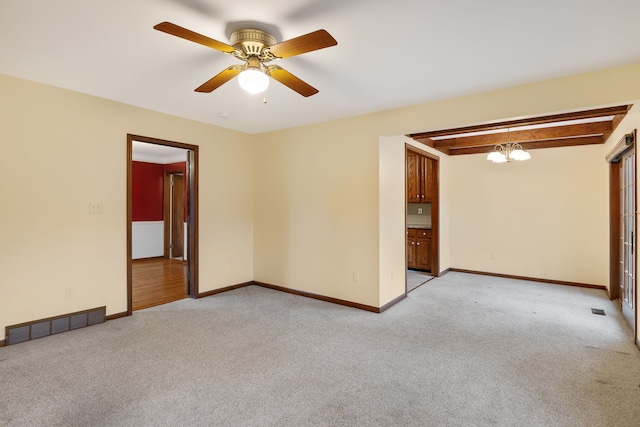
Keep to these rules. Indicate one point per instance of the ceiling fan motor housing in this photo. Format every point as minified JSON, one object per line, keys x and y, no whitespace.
{"x":252,"y":41}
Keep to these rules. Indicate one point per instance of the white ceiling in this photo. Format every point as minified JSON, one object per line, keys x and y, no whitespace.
{"x":389,"y":54}
{"x":155,"y":153}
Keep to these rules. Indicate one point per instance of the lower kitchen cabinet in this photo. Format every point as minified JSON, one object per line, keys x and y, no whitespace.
{"x":419,"y":249}
{"x":423,"y":253}
{"x":411,"y":251}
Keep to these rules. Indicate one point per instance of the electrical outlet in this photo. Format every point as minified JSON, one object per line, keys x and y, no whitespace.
{"x":419,"y":211}
{"x":95,"y":207}
{"x":356,"y":277}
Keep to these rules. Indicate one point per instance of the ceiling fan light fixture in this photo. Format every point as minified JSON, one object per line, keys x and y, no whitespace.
{"x":255,"y":47}
{"x":253,"y":80}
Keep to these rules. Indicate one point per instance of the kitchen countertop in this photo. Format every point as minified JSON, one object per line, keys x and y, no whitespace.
{"x":423,"y":226}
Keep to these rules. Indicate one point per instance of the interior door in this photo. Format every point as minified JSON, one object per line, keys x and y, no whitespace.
{"x":628,"y":236}
{"x":177,"y":216}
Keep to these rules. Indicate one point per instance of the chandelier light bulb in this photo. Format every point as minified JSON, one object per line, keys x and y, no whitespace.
{"x":506,"y":153}
{"x":493,"y":156}
{"x":500,"y":158}
{"x":519,"y":154}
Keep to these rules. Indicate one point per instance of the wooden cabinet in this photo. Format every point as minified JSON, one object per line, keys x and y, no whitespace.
{"x":413,"y":177}
{"x":419,"y":178}
{"x":423,"y":253}
{"x":411,"y":249}
{"x":419,"y":249}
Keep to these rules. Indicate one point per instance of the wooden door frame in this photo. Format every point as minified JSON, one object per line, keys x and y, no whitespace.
{"x":614,"y":226}
{"x":435,"y":210}
{"x":614,"y":230}
{"x":166,"y":207}
{"x":192,"y":210}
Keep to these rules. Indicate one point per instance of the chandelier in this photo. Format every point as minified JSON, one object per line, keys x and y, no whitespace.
{"x":507,"y":152}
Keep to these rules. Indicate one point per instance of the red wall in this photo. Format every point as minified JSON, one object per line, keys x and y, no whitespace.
{"x":147,"y":189}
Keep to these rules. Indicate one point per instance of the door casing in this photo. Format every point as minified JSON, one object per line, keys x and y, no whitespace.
{"x":192,"y":209}
{"x":615,"y":227}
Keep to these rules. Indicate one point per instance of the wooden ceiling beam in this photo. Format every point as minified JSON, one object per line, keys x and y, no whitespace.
{"x":550,"y":143}
{"x":426,"y":141}
{"x":616,"y":121}
{"x":431,"y":143}
{"x":587,"y":114}
{"x":521,"y":136}
{"x":614,"y":124}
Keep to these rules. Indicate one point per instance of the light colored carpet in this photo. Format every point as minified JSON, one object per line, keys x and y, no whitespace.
{"x":462,"y":350}
{"x":416,"y":278}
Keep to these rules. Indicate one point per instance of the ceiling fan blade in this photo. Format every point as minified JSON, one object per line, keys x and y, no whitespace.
{"x":178,"y":31}
{"x":291,"y":81}
{"x":303,"y":44}
{"x":220,"y":79}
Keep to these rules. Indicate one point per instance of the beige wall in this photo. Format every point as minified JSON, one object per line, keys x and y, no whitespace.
{"x":393,"y":212}
{"x":304,"y":208}
{"x":544,"y":218}
{"x":61,"y":150}
{"x":316,"y":221}
{"x":306,"y":241}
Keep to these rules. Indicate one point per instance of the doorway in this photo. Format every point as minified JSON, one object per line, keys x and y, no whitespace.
{"x":177,"y":261}
{"x":623,"y":205}
{"x":422,"y":201}
{"x":628,"y":236}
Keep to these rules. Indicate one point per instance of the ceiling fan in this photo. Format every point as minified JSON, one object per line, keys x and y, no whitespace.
{"x":256,"y":48}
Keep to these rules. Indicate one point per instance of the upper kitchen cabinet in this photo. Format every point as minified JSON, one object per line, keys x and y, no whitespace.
{"x":419,"y":178}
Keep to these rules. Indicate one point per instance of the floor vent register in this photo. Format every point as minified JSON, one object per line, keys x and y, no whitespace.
{"x":53,"y":325}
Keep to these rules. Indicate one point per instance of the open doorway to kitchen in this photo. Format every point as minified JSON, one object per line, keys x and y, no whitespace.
{"x":162,"y":221}
{"x":422,"y":207}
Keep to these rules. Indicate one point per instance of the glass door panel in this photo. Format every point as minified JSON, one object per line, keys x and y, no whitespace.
{"x":628,"y":236}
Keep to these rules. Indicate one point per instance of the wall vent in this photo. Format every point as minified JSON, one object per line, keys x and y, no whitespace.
{"x":22,"y":332}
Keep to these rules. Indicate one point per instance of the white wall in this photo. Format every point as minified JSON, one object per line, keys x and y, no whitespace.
{"x":147,"y":239}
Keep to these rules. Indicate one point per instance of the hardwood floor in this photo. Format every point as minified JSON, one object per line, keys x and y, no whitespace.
{"x":158,"y":281}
